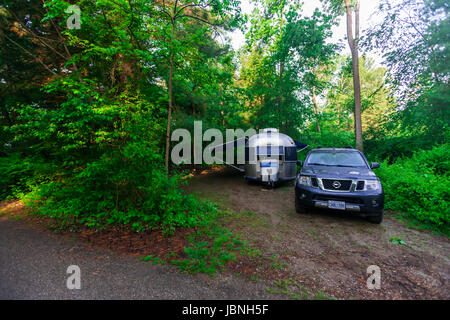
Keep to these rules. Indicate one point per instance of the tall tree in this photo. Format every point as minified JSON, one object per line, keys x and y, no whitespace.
{"x":32,"y":54}
{"x":353,"y":44}
{"x":414,"y":37}
{"x":377,"y":106}
{"x":213,"y":13}
{"x":283,"y":49}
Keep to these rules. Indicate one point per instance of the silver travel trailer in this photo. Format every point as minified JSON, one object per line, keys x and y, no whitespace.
{"x":270,"y":156}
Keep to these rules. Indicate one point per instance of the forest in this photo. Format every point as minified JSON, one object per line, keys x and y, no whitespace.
{"x":91,"y":90}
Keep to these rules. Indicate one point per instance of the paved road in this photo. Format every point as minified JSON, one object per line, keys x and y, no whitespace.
{"x":33,"y":265}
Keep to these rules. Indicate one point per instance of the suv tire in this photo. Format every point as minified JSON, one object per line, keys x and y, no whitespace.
{"x":376,"y":219}
{"x":299,"y":207}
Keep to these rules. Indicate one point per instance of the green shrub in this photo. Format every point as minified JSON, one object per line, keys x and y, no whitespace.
{"x":391,"y":148}
{"x":419,"y":186}
{"x":12,"y":170}
{"x":130,"y":188}
{"x":108,"y":160}
{"x":18,"y":174}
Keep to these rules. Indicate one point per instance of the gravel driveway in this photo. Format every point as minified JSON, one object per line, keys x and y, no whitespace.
{"x":330,"y":251}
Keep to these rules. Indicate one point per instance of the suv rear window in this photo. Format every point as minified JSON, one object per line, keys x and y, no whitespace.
{"x":336,"y":158}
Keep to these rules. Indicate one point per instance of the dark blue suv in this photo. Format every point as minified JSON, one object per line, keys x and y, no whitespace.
{"x":339,"y":179}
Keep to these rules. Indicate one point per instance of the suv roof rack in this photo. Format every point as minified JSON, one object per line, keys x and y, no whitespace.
{"x":346,"y":147}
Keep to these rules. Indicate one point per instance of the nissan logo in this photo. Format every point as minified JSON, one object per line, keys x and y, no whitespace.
{"x":336,"y":184}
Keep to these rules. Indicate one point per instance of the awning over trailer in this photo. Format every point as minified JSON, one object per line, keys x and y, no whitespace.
{"x":228,"y":146}
{"x":231,"y":144}
{"x":300,"y":145}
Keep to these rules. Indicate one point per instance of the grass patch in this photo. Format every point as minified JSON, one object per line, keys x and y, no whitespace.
{"x":154,"y":260}
{"x":397,"y":241}
{"x":294,"y":290}
{"x":277,"y":263}
{"x":212,"y":247}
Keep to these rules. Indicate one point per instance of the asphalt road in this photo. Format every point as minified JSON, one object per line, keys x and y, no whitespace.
{"x":33,"y":265}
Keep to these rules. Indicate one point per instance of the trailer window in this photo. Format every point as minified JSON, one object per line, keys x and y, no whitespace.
{"x":269,"y":150}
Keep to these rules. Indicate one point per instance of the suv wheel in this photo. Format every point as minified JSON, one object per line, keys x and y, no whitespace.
{"x":376,"y":219}
{"x":299,"y":207}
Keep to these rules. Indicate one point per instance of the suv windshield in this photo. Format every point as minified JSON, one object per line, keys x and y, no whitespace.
{"x":336,"y":158}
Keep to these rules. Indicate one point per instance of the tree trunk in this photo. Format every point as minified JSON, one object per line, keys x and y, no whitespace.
{"x":280,"y":94}
{"x":169,"y":116}
{"x":353,"y":44}
{"x":316,"y":112}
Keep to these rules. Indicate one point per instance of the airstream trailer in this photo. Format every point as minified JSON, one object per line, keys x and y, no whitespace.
{"x":270,"y":157}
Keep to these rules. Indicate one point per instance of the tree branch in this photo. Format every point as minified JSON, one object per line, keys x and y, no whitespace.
{"x":201,"y":20}
{"x":29,"y":53}
{"x":62,"y":39}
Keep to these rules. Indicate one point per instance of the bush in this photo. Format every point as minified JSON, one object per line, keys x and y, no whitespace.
{"x":128,"y":187}
{"x":108,"y":162}
{"x":419,"y":186}
{"x":392,"y":148}
{"x":12,"y":170}
{"x":18,"y":174}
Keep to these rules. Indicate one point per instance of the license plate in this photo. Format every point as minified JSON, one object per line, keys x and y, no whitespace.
{"x":340,"y":205}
